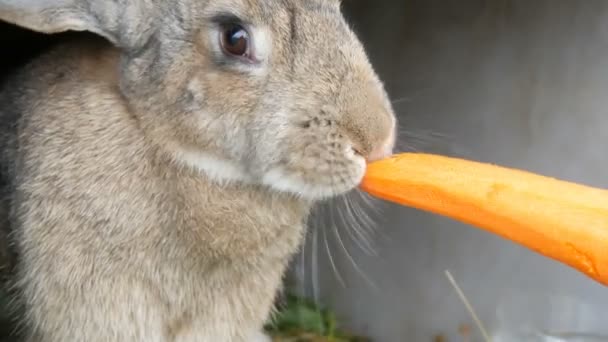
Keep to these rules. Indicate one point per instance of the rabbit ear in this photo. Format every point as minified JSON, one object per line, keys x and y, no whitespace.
{"x":123,"y":22}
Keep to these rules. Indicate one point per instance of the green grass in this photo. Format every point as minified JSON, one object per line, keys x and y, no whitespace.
{"x":300,"y":320}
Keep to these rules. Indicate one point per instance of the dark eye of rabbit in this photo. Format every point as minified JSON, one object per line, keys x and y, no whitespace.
{"x":235,"y":40}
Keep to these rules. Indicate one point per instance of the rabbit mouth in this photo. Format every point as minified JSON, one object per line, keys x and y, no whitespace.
{"x":318,"y":183}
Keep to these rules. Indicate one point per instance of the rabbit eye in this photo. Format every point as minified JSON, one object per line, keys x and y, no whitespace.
{"x":235,"y":40}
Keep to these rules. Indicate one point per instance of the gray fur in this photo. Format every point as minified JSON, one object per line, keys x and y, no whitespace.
{"x":117,"y":237}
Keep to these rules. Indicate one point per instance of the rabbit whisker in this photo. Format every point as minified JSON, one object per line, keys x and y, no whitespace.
{"x":331,"y":260}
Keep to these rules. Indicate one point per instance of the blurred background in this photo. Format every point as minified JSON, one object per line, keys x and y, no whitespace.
{"x":521,"y":83}
{"x":515,"y":82}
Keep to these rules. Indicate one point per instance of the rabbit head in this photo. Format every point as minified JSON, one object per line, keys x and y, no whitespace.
{"x":276,"y":93}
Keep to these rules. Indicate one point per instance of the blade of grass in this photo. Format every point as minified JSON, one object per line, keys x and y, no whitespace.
{"x":468,"y":305}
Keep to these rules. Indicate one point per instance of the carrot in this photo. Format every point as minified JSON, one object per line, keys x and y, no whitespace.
{"x":561,"y":220}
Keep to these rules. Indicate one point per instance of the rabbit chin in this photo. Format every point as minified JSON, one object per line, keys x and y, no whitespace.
{"x":225,"y":171}
{"x":283,"y":181}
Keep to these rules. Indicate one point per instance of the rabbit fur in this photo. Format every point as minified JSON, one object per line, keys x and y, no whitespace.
{"x":155,"y":188}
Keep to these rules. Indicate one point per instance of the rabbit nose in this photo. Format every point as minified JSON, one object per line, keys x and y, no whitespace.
{"x":383,"y":150}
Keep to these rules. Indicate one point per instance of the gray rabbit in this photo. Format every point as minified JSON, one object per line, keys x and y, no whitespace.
{"x":158,"y":177}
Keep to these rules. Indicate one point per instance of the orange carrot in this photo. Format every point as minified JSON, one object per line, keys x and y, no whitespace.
{"x":564,"y":221}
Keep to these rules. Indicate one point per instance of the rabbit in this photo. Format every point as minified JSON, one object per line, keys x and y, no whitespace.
{"x":159,"y":169}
